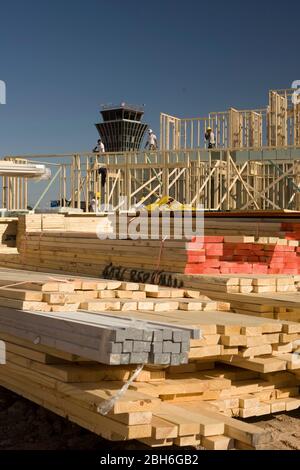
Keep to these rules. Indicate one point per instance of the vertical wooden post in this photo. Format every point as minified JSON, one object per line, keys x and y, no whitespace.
{"x":198,"y":178}
{"x":25,"y":193}
{"x":128,"y":179}
{"x":209,"y":180}
{"x":78,"y":181}
{"x":72,"y":181}
{"x":165,"y":174}
{"x":4,"y":191}
{"x":64,"y":184}
{"x":228,"y":179}
{"x":187,"y":179}
{"x":297,"y":181}
{"x":87,"y":184}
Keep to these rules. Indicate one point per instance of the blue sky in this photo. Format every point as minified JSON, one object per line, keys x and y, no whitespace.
{"x":62,"y":59}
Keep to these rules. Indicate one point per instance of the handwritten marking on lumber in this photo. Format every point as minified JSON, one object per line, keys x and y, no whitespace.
{"x":137,"y":275}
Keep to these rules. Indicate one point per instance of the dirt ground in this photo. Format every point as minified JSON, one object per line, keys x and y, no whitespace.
{"x":26,"y":426}
{"x":285,"y":429}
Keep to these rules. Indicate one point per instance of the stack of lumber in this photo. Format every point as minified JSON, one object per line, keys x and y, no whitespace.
{"x":45,"y":293}
{"x":269,"y":296}
{"x":109,"y":309}
{"x":257,"y":344}
{"x":202,"y":368}
{"x":84,"y":252}
{"x":183,"y":405}
{"x":280,"y":306}
{"x":242,"y":283}
{"x":230,"y":390}
{"x":71,"y":243}
{"x":102,"y":337}
{"x":245,"y":254}
{"x":257,"y":227}
{"x":68,"y":222}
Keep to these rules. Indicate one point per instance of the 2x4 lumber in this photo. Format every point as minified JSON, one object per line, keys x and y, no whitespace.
{"x":94,"y":394}
{"x":35,"y":355}
{"x":150,"y":442}
{"x":257,"y":364}
{"x":62,"y":298}
{"x":194,"y":331}
{"x":73,"y":343}
{"x":52,"y":352}
{"x":34,"y":306}
{"x":198,"y":423}
{"x":205,"y":351}
{"x":48,"y":286}
{"x":183,"y":441}
{"x":21,"y":294}
{"x":238,"y":430}
{"x":162,"y":429}
{"x":64,"y":372}
{"x":217,"y":442}
{"x":133,"y":419}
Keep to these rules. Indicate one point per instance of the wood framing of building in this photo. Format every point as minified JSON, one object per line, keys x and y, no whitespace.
{"x":255,"y":165}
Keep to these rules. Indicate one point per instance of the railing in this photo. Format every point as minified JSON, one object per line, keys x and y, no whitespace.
{"x":133,"y":107}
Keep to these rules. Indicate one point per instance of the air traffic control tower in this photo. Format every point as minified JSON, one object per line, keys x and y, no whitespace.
{"x":121,"y":129}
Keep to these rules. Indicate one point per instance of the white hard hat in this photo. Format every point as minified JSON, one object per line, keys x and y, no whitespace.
{"x":150,"y":131}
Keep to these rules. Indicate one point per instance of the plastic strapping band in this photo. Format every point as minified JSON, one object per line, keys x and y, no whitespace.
{"x":105,"y":407}
{"x":66,"y":281}
{"x":15,"y":284}
{"x":160,"y":252}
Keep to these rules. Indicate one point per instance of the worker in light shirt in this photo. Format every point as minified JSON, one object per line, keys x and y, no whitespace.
{"x":102,"y":171}
{"x":99,"y":147}
{"x":151,"y":141}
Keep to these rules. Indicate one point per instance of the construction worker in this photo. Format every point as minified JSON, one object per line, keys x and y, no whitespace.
{"x":99,"y":147}
{"x":210,"y":138}
{"x":101,"y":171}
{"x":151,"y":141}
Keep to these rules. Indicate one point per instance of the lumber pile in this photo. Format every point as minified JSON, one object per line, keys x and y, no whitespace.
{"x":45,"y":293}
{"x":101,"y":337}
{"x":184,"y":405}
{"x":280,"y":306}
{"x":236,"y":254}
{"x":141,"y":323}
{"x":229,"y":246}
{"x":72,"y":343}
{"x":269,"y":296}
{"x":211,"y":254}
{"x":67,"y":222}
{"x":242,"y":283}
{"x":83,"y":252}
{"x":199,"y":369}
{"x":257,"y":344}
